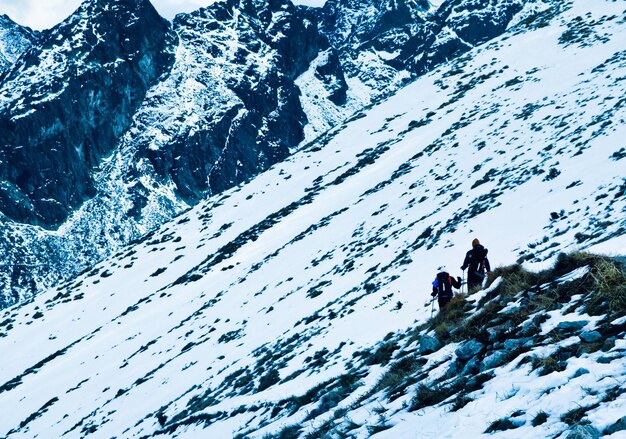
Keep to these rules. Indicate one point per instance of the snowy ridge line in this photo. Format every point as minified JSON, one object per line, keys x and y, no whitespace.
{"x":298,"y":288}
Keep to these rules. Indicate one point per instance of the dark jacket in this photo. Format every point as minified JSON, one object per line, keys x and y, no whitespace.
{"x":476,"y":260}
{"x":442,"y":286}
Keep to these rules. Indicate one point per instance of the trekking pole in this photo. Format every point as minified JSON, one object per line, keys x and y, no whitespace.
{"x":432,"y":307}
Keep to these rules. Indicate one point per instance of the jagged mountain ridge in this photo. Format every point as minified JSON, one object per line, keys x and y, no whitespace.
{"x":236,"y":317}
{"x":63,"y":107}
{"x":14,"y":41}
{"x":201,"y":127}
{"x":399,"y":40}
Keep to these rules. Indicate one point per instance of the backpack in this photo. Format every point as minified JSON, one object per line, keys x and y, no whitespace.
{"x":479,"y":253}
{"x":444,"y":286}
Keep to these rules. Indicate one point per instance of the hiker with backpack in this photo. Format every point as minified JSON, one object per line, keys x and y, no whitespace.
{"x":476,"y":263}
{"x":442,"y":287}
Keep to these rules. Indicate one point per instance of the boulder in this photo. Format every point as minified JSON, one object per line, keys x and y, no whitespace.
{"x":500,"y":332}
{"x":514,"y":343}
{"x":584,"y":432}
{"x":605,"y":360}
{"x":469,"y":349}
{"x":429,"y":344}
{"x":453,"y":370}
{"x":495,"y":359}
{"x":590,"y":336}
{"x":472,"y":367}
{"x":529,"y":329}
{"x":572,"y":326}
{"x":620,"y":425}
{"x":580,"y":372}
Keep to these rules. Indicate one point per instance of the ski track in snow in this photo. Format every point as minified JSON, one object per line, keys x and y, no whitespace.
{"x":324,"y":246}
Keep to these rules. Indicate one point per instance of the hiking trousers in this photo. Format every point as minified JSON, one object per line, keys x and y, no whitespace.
{"x":474,"y":279}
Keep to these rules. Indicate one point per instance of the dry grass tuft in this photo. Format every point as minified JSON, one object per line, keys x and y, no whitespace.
{"x":609,"y":289}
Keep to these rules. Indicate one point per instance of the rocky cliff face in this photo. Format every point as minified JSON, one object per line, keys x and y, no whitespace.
{"x":116,"y":120}
{"x":66,"y":104}
{"x":386,"y":42}
{"x":14,"y":41}
{"x":234,"y":76}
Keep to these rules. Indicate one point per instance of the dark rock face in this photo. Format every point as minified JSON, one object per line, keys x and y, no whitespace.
{"x":458,"y":26}
{"x":330,"y":72}
{"x":242,"y":113}
{"x":265,"y":117}
{"x":369,"y":35}
{"x":406,"y":36}
{"x":373,"y":24}
{"x":15,"y":40}
{"x":69,"y":101}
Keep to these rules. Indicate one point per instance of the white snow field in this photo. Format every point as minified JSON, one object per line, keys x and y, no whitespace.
{"x":209,"y":324}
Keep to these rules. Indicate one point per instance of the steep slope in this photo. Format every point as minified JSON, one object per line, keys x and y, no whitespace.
{"x":270,"y":306}
{"x":226,"y":109}
{"x":231,"y":90}
{"x":14,"y":41}
{"x":384,"y":44}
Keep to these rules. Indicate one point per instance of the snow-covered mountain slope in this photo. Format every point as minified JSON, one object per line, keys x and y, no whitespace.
{"x":227,"y":109}
{"x":266,"y":310}
{"x":383,"y":44}
{"x":14,"y":41}
{"x":115,"y":122}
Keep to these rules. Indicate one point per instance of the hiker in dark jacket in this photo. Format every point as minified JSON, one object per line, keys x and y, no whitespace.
{"x":442,"y":287}
{"x":476,"y":263}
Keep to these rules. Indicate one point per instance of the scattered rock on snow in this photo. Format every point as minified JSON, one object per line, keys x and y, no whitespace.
{"x":584,"y":432}
{"x":590,"y":336}
{"x":429,"y":344}
{"x":572,"y":326}
{"x":469,"y":349}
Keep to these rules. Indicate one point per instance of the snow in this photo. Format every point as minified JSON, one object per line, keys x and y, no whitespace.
{"x":339,"y":229}
{"x":312,"y":3}
{"x":576,"y":274}
{"x":612,"y":247}
{"x":14,"y":41}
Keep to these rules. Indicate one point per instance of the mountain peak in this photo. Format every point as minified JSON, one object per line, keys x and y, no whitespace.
{"x":14,"y":41}
{"x":113,"y":12}
{"x":91,"y":72}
